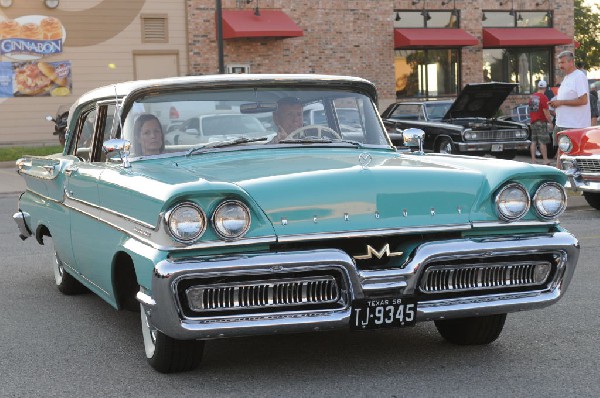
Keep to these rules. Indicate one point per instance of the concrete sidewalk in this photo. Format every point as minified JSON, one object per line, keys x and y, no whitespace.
{"x":13,"y":183}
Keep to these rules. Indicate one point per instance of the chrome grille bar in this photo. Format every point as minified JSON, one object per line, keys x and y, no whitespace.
{"x":496,"y":135}
{"x":263,"y":294}
{"x":456,"y":278}
{"x":588,"y":165}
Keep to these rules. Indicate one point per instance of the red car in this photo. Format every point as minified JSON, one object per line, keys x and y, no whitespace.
{"x":580,"y":161}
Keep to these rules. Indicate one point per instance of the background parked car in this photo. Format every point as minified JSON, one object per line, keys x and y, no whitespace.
{"x":206,"y":128}
{"x":467,"y":125}
{"x":581,"y":161}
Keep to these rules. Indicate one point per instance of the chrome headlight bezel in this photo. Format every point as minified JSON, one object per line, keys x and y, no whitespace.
{"x":173,"y":225}
{"x":502,"y":197}
{"x":219,"y":227}
{"x":538,"y":199}
{"x":565,"y":144}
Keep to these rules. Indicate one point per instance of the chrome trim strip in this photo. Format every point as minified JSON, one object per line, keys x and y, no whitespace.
{"x":374,"y":232}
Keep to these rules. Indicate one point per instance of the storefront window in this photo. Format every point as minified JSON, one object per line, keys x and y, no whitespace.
{"x":426,"y":19}
{"x":426,"y":73}
{"x":512,"y":19}
{"x":524,"y":66}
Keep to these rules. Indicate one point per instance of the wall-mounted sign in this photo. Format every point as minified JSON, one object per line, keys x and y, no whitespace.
{"x":31,"y":37}
{"x":35,"y":79}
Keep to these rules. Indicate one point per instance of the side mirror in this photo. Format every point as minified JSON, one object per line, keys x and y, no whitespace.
{"x":119,"y":146}
{"x":414,"y":138}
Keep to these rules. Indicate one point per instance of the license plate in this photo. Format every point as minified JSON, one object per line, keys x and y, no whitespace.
{"x":497,"y":148}
{"x":383,"y":313}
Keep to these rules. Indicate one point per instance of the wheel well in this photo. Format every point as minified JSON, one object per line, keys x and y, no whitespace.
{"x":40,"y":232}
{"x":125,"y":282}
{"x":438,"y":139}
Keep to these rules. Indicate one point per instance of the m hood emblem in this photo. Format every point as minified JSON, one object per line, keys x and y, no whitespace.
{"x":385,"y":251}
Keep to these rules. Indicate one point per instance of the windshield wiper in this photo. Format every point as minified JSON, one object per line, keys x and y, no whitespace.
{"x":223,"y":144}
{"x":319,"y":140}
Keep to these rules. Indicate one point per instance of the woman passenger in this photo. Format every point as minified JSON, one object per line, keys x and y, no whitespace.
{"x":148,"y":136}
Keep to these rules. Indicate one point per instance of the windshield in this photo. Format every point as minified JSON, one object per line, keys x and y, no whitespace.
{"x":436,"y":111}
{"x":189,"y":120}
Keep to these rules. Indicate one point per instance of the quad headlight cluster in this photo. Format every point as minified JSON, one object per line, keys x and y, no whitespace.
{"x":513,"y":201}
{"x":187,"y":222}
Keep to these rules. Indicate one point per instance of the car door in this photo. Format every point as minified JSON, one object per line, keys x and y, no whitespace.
{"x":87,"y":220}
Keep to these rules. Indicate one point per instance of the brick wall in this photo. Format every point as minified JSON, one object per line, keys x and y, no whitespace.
{"x":346,"y":37}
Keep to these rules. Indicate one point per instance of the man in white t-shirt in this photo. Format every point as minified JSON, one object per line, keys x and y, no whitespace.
{"x":571,"y":101}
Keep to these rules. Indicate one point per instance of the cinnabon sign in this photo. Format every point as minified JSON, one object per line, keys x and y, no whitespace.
{"x":31,"y":37}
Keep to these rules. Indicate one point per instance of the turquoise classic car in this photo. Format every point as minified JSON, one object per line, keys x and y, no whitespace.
{"x":287,"y":228}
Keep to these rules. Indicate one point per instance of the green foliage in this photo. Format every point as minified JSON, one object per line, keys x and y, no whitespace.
{"x":587,"y":33}
{"x":11,"y":153}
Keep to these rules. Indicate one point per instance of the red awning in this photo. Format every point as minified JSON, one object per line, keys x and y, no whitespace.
{"x":422,"y":37}
{"x":523,"y":37}
{"x":270,"y":23}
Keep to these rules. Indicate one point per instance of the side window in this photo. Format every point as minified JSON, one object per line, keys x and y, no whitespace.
{"x":84,"y":134}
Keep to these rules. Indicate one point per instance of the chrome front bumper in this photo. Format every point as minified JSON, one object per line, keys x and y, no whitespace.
{"x":166,"y":314}
{"x":487,"y":146}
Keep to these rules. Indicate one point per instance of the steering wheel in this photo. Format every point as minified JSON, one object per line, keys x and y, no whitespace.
{"x":322,"y":132}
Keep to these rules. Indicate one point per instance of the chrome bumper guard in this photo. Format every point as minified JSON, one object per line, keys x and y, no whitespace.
{"x":167,"y":314}
{"x":23,"y":219}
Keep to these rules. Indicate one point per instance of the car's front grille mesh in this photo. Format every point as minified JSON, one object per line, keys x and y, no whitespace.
{"x":588,"y":165}
{"x":264,"y":294}
{"x":497,"y":135}
{"x":445,"y":279}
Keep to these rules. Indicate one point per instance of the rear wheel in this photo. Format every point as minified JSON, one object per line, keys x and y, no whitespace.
{"x":593,"y":199}
{"x":168,"y":355}
{"x":65,"y":283}
{"x":445,"y":146}
{"x":471,"y":331}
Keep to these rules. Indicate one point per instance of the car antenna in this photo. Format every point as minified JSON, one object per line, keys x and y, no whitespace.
{"x":117,"y":115}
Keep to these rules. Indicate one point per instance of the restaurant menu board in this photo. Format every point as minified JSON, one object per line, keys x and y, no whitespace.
{"x":35,"y":79}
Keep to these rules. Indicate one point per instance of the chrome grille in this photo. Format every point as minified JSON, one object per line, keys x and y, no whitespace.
{"x":264,"y":294}
{"x":456,"y":278}
{"x":588,"y":165}
{"x":497,"y":135}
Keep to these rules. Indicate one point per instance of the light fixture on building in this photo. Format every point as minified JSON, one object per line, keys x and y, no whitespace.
{"x":426,"y":15}
{"x":415,"y":2}
{"x":484,"y":17}
{"x":51,"y":3}
{"x":6,"y":3}
{"x":398,"y":16}
{"x":520,"y":17}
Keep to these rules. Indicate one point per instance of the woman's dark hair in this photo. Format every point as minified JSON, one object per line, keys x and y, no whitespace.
{"x":137,"y":129}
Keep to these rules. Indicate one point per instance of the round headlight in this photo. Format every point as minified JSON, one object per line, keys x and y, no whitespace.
{"x":512,"y":202}
{"x":231,"y":219}
{"x":565,"y":144}
{"x":186,"y":222}
{"x":550,"y":200}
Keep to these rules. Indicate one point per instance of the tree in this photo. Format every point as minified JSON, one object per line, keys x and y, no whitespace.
{"x":587,"y":33}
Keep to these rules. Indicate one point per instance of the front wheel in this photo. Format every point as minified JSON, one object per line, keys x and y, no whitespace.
{"x":168,"y":355}
{"x":593,"y":199}
{"x":471,"y":331}
{"x":445,"y":146}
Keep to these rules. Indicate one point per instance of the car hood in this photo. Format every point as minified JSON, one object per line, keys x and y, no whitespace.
{"x":310,"y":191}
{"x":479,"y":100}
